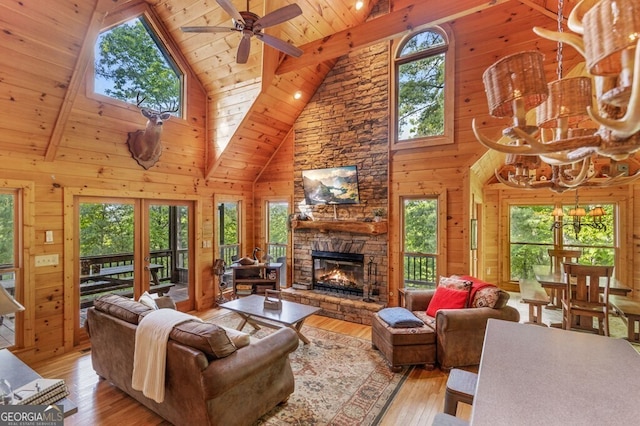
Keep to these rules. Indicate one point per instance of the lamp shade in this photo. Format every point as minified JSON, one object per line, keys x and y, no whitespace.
{"x":597,"y":211}
{"x":515,"y":77}
{"x":8,"y":304}
{"x":568,"y":98}
{"x":610,"y":27}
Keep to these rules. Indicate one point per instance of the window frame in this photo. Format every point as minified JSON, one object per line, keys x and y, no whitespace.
{"x":441,"y":246}
{"x":557,"y":238}
{"x":24,"y":261}
{"x":161,"y":36}
{"x":397,"y":45}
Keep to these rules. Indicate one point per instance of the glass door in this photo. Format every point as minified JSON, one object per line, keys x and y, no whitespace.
{"x":167,"y":268}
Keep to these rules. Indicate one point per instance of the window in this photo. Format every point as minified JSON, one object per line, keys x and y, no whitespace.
{"x":229,"y":237}
{"x":277,"y":229}
{"x":423,"y":83}
{"x":420,"y":242}
{"x":131,"y":64}
{"x":9,"y":262}
{"x":531,"y":234}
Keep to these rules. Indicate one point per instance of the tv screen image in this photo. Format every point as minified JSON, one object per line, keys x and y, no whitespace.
{"x":336,"y":185}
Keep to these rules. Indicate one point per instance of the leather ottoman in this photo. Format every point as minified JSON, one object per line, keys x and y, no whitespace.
{"x":404,"y":346}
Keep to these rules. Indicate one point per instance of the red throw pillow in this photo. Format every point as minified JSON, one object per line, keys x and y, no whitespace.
{"x":447,"y":298}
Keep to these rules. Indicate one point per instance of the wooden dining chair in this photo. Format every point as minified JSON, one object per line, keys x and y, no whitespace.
{"x":582,"y":296}
{"x":558,"y":257}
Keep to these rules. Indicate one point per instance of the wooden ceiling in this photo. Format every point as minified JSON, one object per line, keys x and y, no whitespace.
{"x":250,"y":107}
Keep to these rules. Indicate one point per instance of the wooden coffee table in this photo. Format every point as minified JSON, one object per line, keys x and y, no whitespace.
{"x":251,"y":309}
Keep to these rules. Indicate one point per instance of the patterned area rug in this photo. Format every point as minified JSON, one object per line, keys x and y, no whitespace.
{"x":340,"y":380}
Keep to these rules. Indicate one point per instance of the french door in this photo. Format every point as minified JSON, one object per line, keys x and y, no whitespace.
{"x":128,"y":246}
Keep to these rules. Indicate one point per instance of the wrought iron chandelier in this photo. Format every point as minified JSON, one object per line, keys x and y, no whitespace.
{"x":577,"y":213}
{"x":571,"y":131}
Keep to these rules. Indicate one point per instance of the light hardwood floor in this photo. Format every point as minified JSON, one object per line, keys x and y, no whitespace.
{"x":99,"y":403}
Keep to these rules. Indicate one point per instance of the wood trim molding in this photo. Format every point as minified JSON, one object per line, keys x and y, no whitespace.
{"x":355,"y":227}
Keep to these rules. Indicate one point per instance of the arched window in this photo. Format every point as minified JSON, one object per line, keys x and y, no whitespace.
{"x":423,"y":86}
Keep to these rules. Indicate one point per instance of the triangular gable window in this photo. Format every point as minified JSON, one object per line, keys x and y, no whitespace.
{"x":131,"y":63}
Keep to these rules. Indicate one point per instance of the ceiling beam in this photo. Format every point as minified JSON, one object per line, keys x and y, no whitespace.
{"x":386,"y":27}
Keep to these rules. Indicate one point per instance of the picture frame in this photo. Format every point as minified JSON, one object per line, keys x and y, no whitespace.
{"x":473,"y":234}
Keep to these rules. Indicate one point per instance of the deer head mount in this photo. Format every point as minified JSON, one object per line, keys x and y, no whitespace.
{"x":145,"y":145}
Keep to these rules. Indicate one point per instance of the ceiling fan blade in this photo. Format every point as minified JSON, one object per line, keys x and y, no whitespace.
{"x":278,"y":16}
{"x":207,"y":29}
{"x":243,"y":50}
{"x":231,"y":10}
{"x":281,"y":45}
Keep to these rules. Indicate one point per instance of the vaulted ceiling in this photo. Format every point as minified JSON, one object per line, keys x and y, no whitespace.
{"x":250,"y":108}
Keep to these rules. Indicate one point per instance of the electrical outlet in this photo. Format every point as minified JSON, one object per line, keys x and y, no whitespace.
{"x":47,"y":260}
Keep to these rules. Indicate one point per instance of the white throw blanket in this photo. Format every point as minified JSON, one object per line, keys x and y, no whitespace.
{"x":149,"y":358}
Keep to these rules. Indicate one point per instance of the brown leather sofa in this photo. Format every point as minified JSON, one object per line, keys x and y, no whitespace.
{"x":208,"y":380}
{"x":459,"y":332}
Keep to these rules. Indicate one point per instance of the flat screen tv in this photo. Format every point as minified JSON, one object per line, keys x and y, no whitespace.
{"x":336,"y":185}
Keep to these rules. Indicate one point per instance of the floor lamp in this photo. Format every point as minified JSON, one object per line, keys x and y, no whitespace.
{"x":8,"y":304}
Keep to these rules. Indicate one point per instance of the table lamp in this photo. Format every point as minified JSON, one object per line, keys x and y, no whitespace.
{"x":8,"y":304}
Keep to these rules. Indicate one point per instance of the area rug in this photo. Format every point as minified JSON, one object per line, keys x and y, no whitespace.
{"x":339,"y":380}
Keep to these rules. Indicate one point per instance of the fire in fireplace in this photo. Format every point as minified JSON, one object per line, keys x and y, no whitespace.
{"x":338,"y":272}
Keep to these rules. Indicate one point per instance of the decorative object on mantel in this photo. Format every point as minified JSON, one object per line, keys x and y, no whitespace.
{"x":377,"y":214}
{"x":577,"y":213}
{"x":607,"y":36}
{"x":272,"y":299}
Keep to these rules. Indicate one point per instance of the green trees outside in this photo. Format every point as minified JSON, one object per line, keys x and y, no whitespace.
{"x":278,"y":214}
{"x":421,"y":81}
{"x":7,"y":223}
{"x":106,"y":228}
{"x":531,"y":235}
{"x":129,"y":62}
{"x":420,"y":242}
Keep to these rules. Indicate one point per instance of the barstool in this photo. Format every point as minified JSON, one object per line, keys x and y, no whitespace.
{"x":461,"y":387}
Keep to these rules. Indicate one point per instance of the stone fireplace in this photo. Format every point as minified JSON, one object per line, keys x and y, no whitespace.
{"x":345,"y":123}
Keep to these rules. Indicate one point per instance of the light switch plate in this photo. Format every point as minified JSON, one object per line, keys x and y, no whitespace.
{"x":47,"y":260}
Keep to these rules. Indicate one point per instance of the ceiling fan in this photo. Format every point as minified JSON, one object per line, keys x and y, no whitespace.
{"x":250,"y":24}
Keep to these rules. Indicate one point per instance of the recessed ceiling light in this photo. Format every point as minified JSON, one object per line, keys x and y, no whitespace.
{"x":359,"y":4}
{"x":297,"y":95}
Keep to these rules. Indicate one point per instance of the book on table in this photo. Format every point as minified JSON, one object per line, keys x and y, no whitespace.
{"x":40,"y":391}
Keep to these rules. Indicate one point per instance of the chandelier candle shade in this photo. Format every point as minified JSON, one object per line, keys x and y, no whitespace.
{"x":595,"y":116}
{"x":514,"y":85}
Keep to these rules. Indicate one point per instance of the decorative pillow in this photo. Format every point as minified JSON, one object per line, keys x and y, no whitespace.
{"x":454,"y":282}
{"x":457,"y":283}
{"x":147,"y":300}
{"x":447,"y":298}
{"x":121,"y":307}
{"x":486,"y":297}
{"x":239,"y":339}
{"x":204,"y":336}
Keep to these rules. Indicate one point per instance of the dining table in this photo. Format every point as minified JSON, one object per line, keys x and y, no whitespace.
{"x":555,"y":281}
{"x":532,"y":375}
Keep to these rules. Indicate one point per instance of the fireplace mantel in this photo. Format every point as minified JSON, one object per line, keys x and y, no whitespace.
{"x":353,"y":226}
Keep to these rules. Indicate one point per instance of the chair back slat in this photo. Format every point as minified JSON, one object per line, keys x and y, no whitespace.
{"x":560,"y":256}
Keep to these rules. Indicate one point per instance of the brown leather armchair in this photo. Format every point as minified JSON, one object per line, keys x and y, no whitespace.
{"x":459,"y":332}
